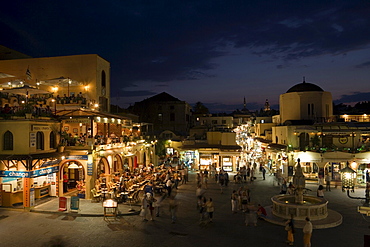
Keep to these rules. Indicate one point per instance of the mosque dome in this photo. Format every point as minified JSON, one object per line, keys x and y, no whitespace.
{"x":305,"y":87}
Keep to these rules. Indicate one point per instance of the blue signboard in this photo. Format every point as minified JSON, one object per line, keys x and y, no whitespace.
{"x":31,"y":174}
{"x":15,"y":174}
{"x":76,"y":157}
{"x":44,"y":171}
{"x":89,"y":169}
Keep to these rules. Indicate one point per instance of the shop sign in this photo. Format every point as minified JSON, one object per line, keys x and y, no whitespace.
{"x":44,"y":171}
{"x":77,"y":157}
{"x":32,"y":139}
{"x":90,"y":169}
{"x":44,"y":191}
{"x":40,"y":128}
{"x":32,"y":197}
{"x":77,"y":120}
{"x":15,"y":174}
{"x":26,"y":192}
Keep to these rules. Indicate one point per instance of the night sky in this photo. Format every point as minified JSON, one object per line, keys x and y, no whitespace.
{"x":215,"y":52}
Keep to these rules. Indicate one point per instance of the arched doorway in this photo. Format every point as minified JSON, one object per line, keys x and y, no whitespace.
{"x":304,"y":141}
{"x":117,"y":164}
{"x":71,"y":171}
{"x":103,"y":167}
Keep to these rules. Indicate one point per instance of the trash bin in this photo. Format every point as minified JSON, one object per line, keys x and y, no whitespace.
{"x":110,"y":208}
{"x":75,"y":203}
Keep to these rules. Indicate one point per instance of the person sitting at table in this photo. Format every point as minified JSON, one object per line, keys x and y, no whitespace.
{"x":97,"y":185}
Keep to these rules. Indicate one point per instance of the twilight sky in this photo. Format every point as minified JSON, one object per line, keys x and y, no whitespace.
{"x":213,"y":51}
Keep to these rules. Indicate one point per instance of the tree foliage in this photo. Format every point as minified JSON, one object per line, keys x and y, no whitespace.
{"x":199,"y":108}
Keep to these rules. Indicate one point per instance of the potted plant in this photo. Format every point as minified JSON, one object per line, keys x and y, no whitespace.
{"x":63,"y":136}
{"x":28,"y":110}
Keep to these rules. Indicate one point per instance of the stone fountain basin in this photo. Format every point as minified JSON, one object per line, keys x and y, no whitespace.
{"x":284,"y":206}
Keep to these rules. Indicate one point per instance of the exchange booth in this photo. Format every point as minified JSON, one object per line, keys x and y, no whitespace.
{"x":24,"y":187}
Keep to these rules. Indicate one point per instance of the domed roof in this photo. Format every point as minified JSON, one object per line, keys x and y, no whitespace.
{"x":305,"y":87}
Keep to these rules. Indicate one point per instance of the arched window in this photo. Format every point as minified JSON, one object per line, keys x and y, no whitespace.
{"x":8,"y":140}
{"x":103,"y":79}
{"x":39,"y":140}
{"x":52,"y":143}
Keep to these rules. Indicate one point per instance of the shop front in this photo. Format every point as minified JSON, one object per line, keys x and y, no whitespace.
{"x":24,"y":187}
{"x":205,"y":161}
{"x":227,"y":163}
{"x":73,"y":177}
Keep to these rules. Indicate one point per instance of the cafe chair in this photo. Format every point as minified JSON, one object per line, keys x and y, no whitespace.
{"x":95,"y":195}
{"x":132,"y":198}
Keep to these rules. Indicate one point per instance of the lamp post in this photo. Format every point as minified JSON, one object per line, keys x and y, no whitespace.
{"x":348,"y":176}
{"x":55,"y":106}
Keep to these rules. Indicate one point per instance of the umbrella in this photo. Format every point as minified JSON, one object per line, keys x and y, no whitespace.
{"x":61,"y":81}
{"x":3,"y":75}
{"x":25,"y":90}
{"x":14,"y":83}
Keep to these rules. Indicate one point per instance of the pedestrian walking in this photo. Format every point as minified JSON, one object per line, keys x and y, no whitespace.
{"x":221,"y":181}
{"x":158,"y":197}
{"x":327,"y":181}
{"x":65,"y":183}
{"x":289,"y":227}
{"x":150,"y":200}
{"x":173,"y":207}
{"x":210,"y":209}
{"x":250,"y":217}
{"x":226,"y":177}
{"x":263,"y":173}
{"x":144,"y":207}
{"x":202,"y":209}
{"x":199,"y":179}
{"x":245,"y":200}
{"x":205,"y":179}
{"x":199,"y":194}
{"x":169,"y":187}
{"x":307,"y":233}
{"x":183,"y":175}
{"x":284,"y":188}
{"x":234,"y":202}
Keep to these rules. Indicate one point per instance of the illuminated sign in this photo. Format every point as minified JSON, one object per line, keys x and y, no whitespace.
{"x":15,"y":174}
{"x":77,"y":157}
{"x":40,"y":128}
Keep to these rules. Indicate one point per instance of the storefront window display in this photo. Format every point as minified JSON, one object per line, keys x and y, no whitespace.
{"x":310,"y":169}
{"x":333,"y":168}
{"x":205,"y":162}
{"x":363,"y":173}
{"x":227,"y":164}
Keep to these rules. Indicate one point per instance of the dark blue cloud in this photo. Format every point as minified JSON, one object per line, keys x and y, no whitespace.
{"x":163,"y":41}
{"x":363,"y":65}
{"x":353,"y":98}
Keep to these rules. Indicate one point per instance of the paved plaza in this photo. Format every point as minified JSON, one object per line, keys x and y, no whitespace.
{"x":46,"y":226}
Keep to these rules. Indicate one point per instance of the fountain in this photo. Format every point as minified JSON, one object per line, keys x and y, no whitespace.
{"x":299,"y":205}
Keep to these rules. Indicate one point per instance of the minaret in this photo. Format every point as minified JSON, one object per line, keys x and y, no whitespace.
{"x":267,"y":105}
{"x":245,"y":110}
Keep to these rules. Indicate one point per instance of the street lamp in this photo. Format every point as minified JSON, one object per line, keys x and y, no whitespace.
{"x":348,"y":177}
{"x":55,"y":106}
